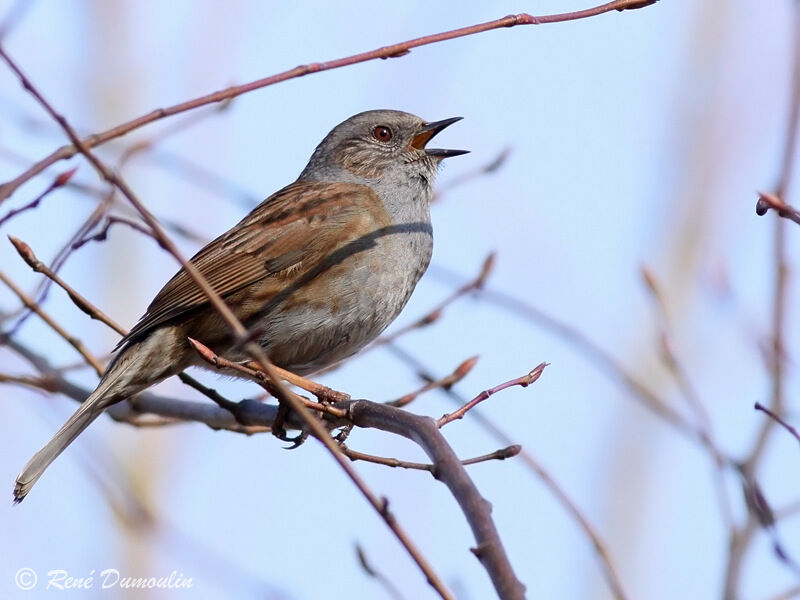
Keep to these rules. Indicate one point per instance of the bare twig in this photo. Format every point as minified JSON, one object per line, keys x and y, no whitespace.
{"x":82,"y":303}
{"x":445,"y":382}
{"x":449,"y":470}
{"x":102,"y":235}
{"x":146,"y":403}
{"x":58,"y":182}
{"x":255,"y":372}
{"x":70,"y":339}
{"x":501,"y":454}
{"x":767,"y":201}
{"x":523,"y":381}
{"x":692,"y":397}
{"x":773,"y":415}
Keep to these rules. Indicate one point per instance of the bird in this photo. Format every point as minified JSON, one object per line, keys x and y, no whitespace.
{"x":315,"y":272}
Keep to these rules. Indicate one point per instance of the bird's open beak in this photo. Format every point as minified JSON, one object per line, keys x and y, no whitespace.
{"x":429,"y":130}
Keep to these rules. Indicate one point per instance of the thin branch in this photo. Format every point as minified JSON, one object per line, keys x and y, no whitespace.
{"x":501,"y":454}
{"x":102,"y":235}
{"x":523,"y":381}
{"x":145,"y":403}
{"x":82,"y":303}
{"x":254,"y":372}
{"x":391,"y":51}
{"x":773,"y":415}
{"x":70,"y":339}
{"x":692,"y":398}
{"x":446,"y":382}
{"x":58,"y":182}
{"x":767,"y":201}
{"x":63,"y":254}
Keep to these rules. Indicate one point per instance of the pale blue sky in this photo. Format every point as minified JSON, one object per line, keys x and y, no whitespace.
{"x":637,"y":138}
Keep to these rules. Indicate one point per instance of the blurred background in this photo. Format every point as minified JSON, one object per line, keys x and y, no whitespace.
{"x":636,"y":139}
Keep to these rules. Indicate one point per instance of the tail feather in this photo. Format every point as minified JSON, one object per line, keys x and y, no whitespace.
{"x":113,"y":387}
{"x":135,"y":368}
{"x":80,"y":420}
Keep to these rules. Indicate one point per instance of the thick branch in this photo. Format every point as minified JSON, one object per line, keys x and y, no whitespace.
{"x":449,"y":470}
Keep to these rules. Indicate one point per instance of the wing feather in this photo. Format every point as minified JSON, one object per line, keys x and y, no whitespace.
{"x":299,"y":225}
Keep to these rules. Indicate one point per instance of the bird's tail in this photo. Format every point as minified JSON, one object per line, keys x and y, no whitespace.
{"x":80,"y":420}
{"x":114,"y":386}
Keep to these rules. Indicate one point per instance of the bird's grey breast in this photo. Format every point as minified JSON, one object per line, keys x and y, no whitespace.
{"x":366,"y":288}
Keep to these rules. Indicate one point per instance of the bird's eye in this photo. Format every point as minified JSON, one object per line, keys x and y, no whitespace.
{"x":382,"y":133}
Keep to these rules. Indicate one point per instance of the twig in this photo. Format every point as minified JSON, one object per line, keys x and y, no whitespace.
{"x":773,"y":415}
{"x":58,"y":182}
{"x":501,"y":454}
{"x":102,"y":235}
{"x":446,"y":382}
{"x":70,"y":339}
{"x":767,"y":201}
{"x":523,"y":381}
{"x":82,"y":303}
{"x":62,"y":255}
{"x":255,"y":372}
{"x":391,"y":51}
{"x":322,"y":392}
{"x":692,"y":397}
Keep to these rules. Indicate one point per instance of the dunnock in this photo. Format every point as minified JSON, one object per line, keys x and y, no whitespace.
{"x":316,"y":271}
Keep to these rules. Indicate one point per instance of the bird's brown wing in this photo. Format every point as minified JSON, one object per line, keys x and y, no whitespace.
{"x":290,"y":231}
